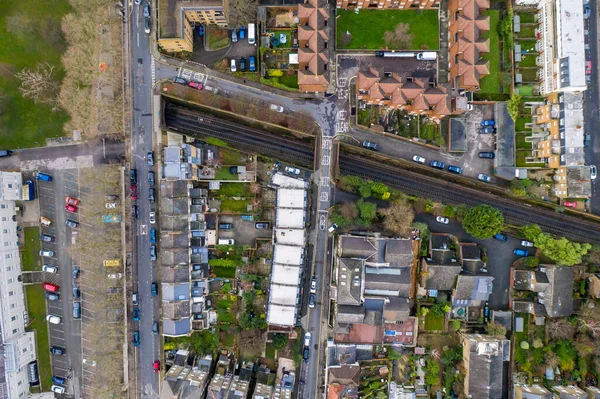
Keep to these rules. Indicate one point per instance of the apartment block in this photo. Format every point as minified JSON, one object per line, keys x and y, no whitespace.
{"x":465,"y":44}
{"x":388,"y":4}
{"x":177,"y":19}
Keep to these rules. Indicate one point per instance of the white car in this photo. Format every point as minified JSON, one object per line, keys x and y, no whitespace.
{"x":232,"y":66}
{"x":276,"y":108}
{"x":46,"y":252}
{"x":484,"y":178}
{"x":313,"y":286}
{"x":292,"y":170}
{"x":49,"y":269}
{"x":419,"y":159}
{"x":57,"y":389}
{"x":332,"y":228}
{"x":593,"y":172}
{"x":525,"y":243}
{"x":152,"y":217}
{"x":111,"y":205}
{"x":442,"y":219}
{"x":115,"y":275}
{"x":53,"y":319}
{"x":307,"y":339}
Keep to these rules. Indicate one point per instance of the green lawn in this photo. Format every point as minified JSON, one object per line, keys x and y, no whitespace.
{"x":520,"y":160}
{"x":224,"y":272}
{"x":528,"y":61}
{"x":223,"y":316}
{"x":520,"y":142}
{"x":30,"y":256}
{"x":217,"y":37}
{"x":30,"y":33}
{"x":367,"y":29}
{"x":520,"y":123}
{"x":434,"y":322}
{"x":223,"y":303}
{"x":289,"y":81}
{"x":236,"y":206}
{"x":527,"y":45}
{"x":526,"y":18}
{"x":527,"y":31}
{"x":232,"y":157}
{"x":36,"y":308}
{"x":521,"y":355}
{"x":528,"y":75}
{"x":491,"y":83}
{"x":288,"y":34}
{"x":233,"y":190}
{"x":227,"y":340}
{"x":525,"y":90}
{"x":223,"y":174}
{"x":270,"y":351}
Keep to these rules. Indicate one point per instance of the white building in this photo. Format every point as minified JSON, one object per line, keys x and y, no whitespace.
{"x":561,"y":45}
{"x":17,"y":347}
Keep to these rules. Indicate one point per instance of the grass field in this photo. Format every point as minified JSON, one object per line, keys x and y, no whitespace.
{"x":526,"y":18}
{"x":529,"y":75}
{"x":528,"y":61}
{"x":233,"y":190}
{"x":236,"y":206}
{"x":367,"y":28}
{"x":521,"y":122}
{"x":36,"y":308}
{"x":520,"y":160}
{"x":270,"y":351}
{"x":434,"y":322}
{"x":30,"y":33}
{"x":527,"y":31}
{"x":217,"y":37}
{"x":224,"y":174}
{"x":520,"y":142}
{"x":231,"y":157}
{"x":224,"y":272}
{"x":525,"y":90}
{"x":223,"y":316}
{"x":30,"y":256}
{"x":491,"y":83}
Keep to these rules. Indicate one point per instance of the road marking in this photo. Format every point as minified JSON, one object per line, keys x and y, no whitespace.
{"x":326,"y":144}
{"x":325,"y":160}
{"x":343,"y":94}
{"x":324,"y":196}
{"x":153,"y":69}
{"x":342,"y":115}
{"x":324,"y":181}
{"x":341,"y":127}
{"x":342,"y":82}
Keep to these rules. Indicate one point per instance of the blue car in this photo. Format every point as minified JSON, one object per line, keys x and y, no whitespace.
{"x":136,"y":314}
{"x":488,"y":122}
{"x":252,"y":63}
{"x":455,"y":169}
{"x":56,"y":380}
{"x":154,"y":289}
{"x":153,"y":236}
{"x":521,"y":252}
{"x":242,"y":32}
{"x":136,"y":338}
{"x":152,"y":252}
{"x":201,"y":30}
{"x":501,"y":237}
{"x":437,"y":164}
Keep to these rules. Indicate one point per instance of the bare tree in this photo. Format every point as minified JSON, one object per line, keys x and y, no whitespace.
{"x":349,"y":210}
{"x":551,"y":359}
{"x":40,"y":84}
{"x":398,"y":217}
{"x":560,"y":329}
{"x":242,"y":11}
{"x":400,"y":37}
{"x":495,"y":329}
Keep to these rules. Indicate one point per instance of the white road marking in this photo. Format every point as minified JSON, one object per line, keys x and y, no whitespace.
{"x":325,"y":160}
{"x":324,"y":196}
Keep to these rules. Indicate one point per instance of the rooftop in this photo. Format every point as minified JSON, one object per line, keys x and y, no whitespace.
{"x":170,"y":14}
{"x":485,"y":356}
{"x":570,"y":32}
{"x":441,"y":277}
{"x":392,"y":252}
{"x":471,"y":289}
{"x":349,"y":281}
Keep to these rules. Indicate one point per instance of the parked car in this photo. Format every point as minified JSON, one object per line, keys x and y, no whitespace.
{"x":156,"y":366}
{"x":71,"y":208}
{"x":46,"y":252}
{"x":196,"y":85}
{"x":152,"y":217}
{"x":50,"y":287}
{"x":441,"y":219}
{"x":151,"y":195}
{"x":455,"y":169}
{"x":133,"y":192}
{"x":252,"y":62}
{"x":147,"y":25}
{"x":152,"y":235}
{"x":57,"y":350}
{"x":311,"y":301}
{"x":526,"y":243}
{"x":115,"y":276}
{"x":292,"y":170}
{"x":134,"y":299}
{"x":588,"y":67}
{"x":58,"y":380}
{"x":418,"y":159}
{"x":371,"y":146}
{"x":242,"y":32}
{"x":51,"y":296}
{"x":76,"y":310}
{"x":586,"y":12}
{"x":154,"y":289}
{"x":136,"y":314}
{"x":437,"y":164}
{"x":150,"y":158}
{"x":261,"y":225}
{"x":76,"y":292}
{"x":332,"y":228}
{"x":5,"y":153}
{"x":487,"y":130}
{"x":570,"y":204}
{"x":232,"y":66}
{"x":71,"y":223}
{"x":133,"y":176}
{"x":484,"y":178}
{"x":152,"y":252}
{"x":487,"y":154}
{"x":155,"y":328}
{"x":72,"y":201}
{"x":201,"y":30}
{"x":57,"y":389}
{"x":136,"y":338}
{"x":75,"y":272}
{"x":49,"y":269}
{"x":593,"y":172}
{"x":313,"y":286}
{"x":521,"y":252}
{"x":180,"y":81}
{"x":242,"y":64}
{"x":43,"y":176}
{"x":234,"y":37}
{"x":488,"y":122}
{"x":307,"y":339}
{"x":46,"y":238}
{"x":146,"y":10}
{"x":276,"y":108}
{"x":134,"y":211}
{"x":54,"y":319}
{"x":151,"y":178}
{"x":305,"y":354}
{"x":45,"y":221}
{"x":501,"y":237}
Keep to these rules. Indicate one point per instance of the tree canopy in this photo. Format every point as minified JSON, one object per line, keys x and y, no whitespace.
{"x":560,"y":250}
{"x":483,"y":221}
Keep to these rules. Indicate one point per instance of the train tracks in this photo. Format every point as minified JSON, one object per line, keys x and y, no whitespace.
{"x":195,"y":123}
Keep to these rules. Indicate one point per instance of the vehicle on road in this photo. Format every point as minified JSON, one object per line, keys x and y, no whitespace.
{"x":155,"y":328}
{"x":43,"y":176}
{"x":75,"y":272}
{"x":57,"y":389}
{"x":588,"y":67}
{"x":307,"y":339}
{"x":234,"y":37}
{"x":521,"y":252}
{"x":5,"y":153}
{"x":152,"y":217}
{"x":136,"y":338}
{"x":46,"y":252}
{"x":147,"y":25}
{"x":151,"y":178}
{"x":57,"y":380}
{"x":150,"y":158}
{"x":526,"y":243}
{"x":292,"y":170}
{"x":232,"y":66}
{"x":441,"y":219}
{"x":45,"y":221}
{"x":488,"y":122}
{"x":133,"y":192}
{"x":133,"y":176}
{"x":134,"y":299}
{"x":76,"y":310}
{"x":71,"y":223}
{"x":52,"y":296}
{"x":437,"y":164}
{"x":156,"y":366}
{"x":50,"y":287}
{"x":57,"y":350}
{"x":570,"y":204}
{"x":305,"y":354}
{"x":487,"y":130}
{"x":136,"y":314}
{"x":242,"y":64}
{"x":76,"y":291}
{"x":501,"y":237}
{"x":242,"y":32}
{"x":71,"y":208}
{"x":593,"y":172}
{"x":154,"y":289}
{"x":455,"y":169}
{"x":276,"y":108}
{"x":311,"y":301}
{"x":487,"y":154}
{"x":252,"y":62}
{"x":332,"y":228}
{"x":46,"y":238}
{"x":49,"y":269}
{"x":152,"y":235}
{"x":180,"y":81}
{"x":195,"y":85}
{"x":261,"y":225}
{"x":313,"y":286}
{"x":370,"y":145}
{"x":54,"y":319}
{"x":484,"y":178}
{"x":146,"y":10}
{"x":418,"y":159}
{"x":153,"y":252}
{"x":151,"y":195}
{"x":586,"y":12}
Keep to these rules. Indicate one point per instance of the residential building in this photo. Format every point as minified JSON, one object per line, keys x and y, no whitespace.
{"x":417,"y":96}
{"x":18,"y":347}
{"x":262,"y":390}
{"x":177,"y":19}
{"x":440,"y":269}
{"x":387,"y":4}
{"x":313,"y":45}
{"x":343,"y":382}
{"x":531,"y":392}
{"x":465,"y":45}
{"x":241,"y":383}
{"x":471,"y":291}
{"x":286,"y":377}
{"x":221,"y":380}
{"x":183,"y":381}
{"x":484,"y":359}
{"x":593,"y":392}
{"x":561,"y":46}
{"x":553,"y":286}
{"x":570,"y":392}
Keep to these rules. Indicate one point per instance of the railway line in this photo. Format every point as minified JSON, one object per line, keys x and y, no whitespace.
{"x":254,"y":140}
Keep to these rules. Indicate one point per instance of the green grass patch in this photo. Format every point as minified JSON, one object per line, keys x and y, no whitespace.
{"x":527,"y":31}
{"x":30,"y":33}
{"x":223,"y":174}
{"x":525,"y":90}
{"x":528,"y":75}
{"x":30,"y":256}
{"x":288,"y":34}
{"x":270,"y":351}
{"x":520,"y":123}
{"x":528,"y":61}
{"x":527,"y":45}
{"x":521,"y":155}
{"x":233,"y":190}
{"x":223,"y":303}
{"x":289,"y":81}
{"x":217,"y":38}
{"x":526,"y":18}
{"x":491,"y":83}
{"x":224,"y":316}
{"x":227,"y":340}
{"x":366,"y":30}
{"x":238,"y":206}
{"x":36,"y":308}
{"x":224,"y":272}
{"x":232,"y":157}
{"x":522,"y":355}
{"x":434,"y":322}
{"x":520,"y":142}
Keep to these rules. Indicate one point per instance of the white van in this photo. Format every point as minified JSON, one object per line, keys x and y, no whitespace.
{"x":226,"y":241}
{"x":251,"y":33}
{"x":427,"y":56}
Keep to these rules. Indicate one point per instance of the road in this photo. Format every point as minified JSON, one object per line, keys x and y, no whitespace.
{"x":144,"y":271}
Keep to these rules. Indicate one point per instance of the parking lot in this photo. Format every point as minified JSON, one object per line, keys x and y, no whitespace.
{"x":244,"y":232}
{"x":237,"y":50}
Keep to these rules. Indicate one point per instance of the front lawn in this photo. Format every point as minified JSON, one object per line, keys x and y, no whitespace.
{"x":217,"y":37}
{"x":367,"y":29}
{"x":527,"y":31}
{"x":30,"y":254}
{"x":235,"y":206}
{"x":520,"y":142}
{"x":491,"y":83}
{"x":434,"y":322}
{"x":36,"y":309}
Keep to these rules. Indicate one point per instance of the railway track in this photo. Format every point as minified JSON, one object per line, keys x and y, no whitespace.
{"x":257,"y":141}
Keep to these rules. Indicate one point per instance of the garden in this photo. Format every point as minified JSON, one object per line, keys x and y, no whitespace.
{"x":36,"y":309}
{"x":30,"y":251}
{"x":218,"y":38}
{"x":387,"y":29}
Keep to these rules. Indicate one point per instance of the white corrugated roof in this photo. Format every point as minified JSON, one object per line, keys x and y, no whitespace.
{"x":294,"y":237}
{"x":283,"y":295}
{"x":285,"y":275}
{"x":281,"y":180}
{"x":281,"y":315}
{"x":290,"y":218}
{"x":291,"y":198}
{"x":287,"y":255}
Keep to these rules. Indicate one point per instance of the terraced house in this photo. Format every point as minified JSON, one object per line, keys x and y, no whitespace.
{"x":384,"y":4}
{"x":313,"y":46}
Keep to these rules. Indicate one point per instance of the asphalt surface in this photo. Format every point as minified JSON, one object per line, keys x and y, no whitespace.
{"x":144,"y":271}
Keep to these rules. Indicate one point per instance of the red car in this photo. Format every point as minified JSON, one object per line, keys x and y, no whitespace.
{"x":72,"y":201}
{"x":196,"y":85}
{"x":156,"y":366}
{"x":588,"y":68}
{"x":570,"y":204}
{"x":71,"y":208}
{"x":50,"y":287}
{"x":133,"y":192}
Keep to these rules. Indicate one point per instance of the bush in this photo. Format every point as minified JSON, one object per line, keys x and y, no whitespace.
{"x":531,"y":261}
{"x":367,"y":210}
{"x":524,"y":345}
{"x":514,"y":105}
{"x":280,"y":341}
{"x":449,"y":211}
{"x":483,"y":221}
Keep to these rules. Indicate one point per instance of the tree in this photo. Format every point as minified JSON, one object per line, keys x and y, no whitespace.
{"x":379,"y":188}
{"x":398,"y":218}
{"x":241,"y":12}
{"x":40,"y":84}
{"x":367,"y":210}
{"x":432,"y":374}
{"x":280,"y":341}
{"x":560,"y":329}
{"x":514,"y":105}
{"x":365,"y":191}
{"x":483,"y":221}
{"x":400,"y":37}
{"x":561,"y":250}
{"x":394,"y":354}
{"x":531,"y":261}
{"x":422,"y":227}
{"x":519,"y":186}
{"x":348,"y":210}
{"x":495,"y":329}
{"x":449,"y":211}
{"x":531,"y":231}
